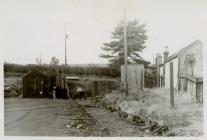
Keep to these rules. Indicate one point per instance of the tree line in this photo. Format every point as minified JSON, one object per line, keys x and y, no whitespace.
{"x":69,"y":70}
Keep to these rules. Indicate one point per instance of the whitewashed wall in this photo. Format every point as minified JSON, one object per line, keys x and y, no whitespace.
{"x":161,"y":71}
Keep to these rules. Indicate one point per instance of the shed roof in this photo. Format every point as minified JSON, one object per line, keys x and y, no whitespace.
{"x":175,"y":55}
{"x":142,"y":61}
{"x":72,"y":78}
{"x":37,"y":72}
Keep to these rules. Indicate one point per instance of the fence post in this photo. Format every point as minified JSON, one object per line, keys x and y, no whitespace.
{"x":53,"y":93}
{"x":171,"y":85}
{"x":141,"y":79}
{"x":142,"y":85}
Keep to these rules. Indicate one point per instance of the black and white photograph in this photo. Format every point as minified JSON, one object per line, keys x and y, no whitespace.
{"x":103,"y":68}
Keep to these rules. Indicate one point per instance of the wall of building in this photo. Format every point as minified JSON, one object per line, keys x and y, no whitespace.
{"x":161,"y":71}
{"x":175,"y":73}
{"x":199,"y":92}
{"x":196,"y":68}
{"x":191,"y":72}
{"x":187,"y":74}
{"x":35,"y":87}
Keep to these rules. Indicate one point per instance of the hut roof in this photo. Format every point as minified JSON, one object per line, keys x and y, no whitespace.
{"x":142,"y":61}
{"x":34,"y":72}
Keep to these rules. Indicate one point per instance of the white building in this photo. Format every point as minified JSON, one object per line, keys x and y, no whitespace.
{"x":187,"y":70}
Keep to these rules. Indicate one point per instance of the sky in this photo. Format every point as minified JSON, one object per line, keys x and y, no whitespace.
{"x":35,"y":28}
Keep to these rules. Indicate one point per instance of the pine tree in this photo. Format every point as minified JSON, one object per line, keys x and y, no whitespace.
{"x":136,"y":37}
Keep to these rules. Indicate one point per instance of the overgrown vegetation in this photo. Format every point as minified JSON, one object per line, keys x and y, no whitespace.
{"x":153,"y":110}
{"x":12,"y":87}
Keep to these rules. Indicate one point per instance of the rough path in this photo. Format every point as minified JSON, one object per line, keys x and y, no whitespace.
{"x":111,"y":121}
{"x":47,"y":117}
{"x":35,"y":117}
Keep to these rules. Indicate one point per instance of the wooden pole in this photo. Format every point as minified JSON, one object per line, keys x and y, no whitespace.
{"x":141,"y":79}
{"x":142,"y":86}
{"x":125,"y":53}
{"x":153,"y":59}
{"x":138,"y":88}
{"x":64,"y":78}
{"x":65,"y":46}
{"x":171,"y":85}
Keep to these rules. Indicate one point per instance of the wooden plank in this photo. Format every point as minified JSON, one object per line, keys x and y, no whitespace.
{"x":125,"y":53}
{"x":142,"y":85}
{"x":188,"y":77}
{"x":141,"y":79}
{"x":178,"y":82}
{"x":199,"y":79}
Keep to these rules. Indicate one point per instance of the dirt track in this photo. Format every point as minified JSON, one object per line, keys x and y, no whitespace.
{"x":47,"y":117}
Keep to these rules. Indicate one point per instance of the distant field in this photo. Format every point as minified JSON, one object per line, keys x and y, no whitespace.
{"x":13,"y":74}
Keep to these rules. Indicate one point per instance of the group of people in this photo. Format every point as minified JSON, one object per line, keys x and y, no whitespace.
{"x":58,"y":86}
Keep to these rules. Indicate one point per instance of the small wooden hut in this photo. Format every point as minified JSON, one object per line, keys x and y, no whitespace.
{"x":135,"y":76}
{"x":35,"y":85}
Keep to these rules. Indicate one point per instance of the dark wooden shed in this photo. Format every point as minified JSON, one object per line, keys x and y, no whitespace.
{"x":35,"y":85}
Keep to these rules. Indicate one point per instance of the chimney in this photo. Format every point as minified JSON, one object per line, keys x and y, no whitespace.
{"x":166,"y":53}
{"x":158,"y":59}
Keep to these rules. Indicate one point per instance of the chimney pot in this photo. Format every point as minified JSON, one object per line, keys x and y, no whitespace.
{"x":166,"y":53}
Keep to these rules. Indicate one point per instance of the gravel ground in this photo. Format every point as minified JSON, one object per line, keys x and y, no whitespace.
{"x":47,"y":117}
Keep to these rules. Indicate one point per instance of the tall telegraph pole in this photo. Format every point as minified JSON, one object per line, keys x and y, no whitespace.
{"x":125,"y":53}
{"x":66,"y":36}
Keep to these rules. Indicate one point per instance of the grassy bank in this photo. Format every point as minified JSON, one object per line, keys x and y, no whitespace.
{"x":186,"y":119}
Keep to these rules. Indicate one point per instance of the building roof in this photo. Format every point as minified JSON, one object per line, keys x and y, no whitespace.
{"x":175,"y":55}
{"x":34,"y":72}
{"x":72,"y":78}
{"x":142,"y":61}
